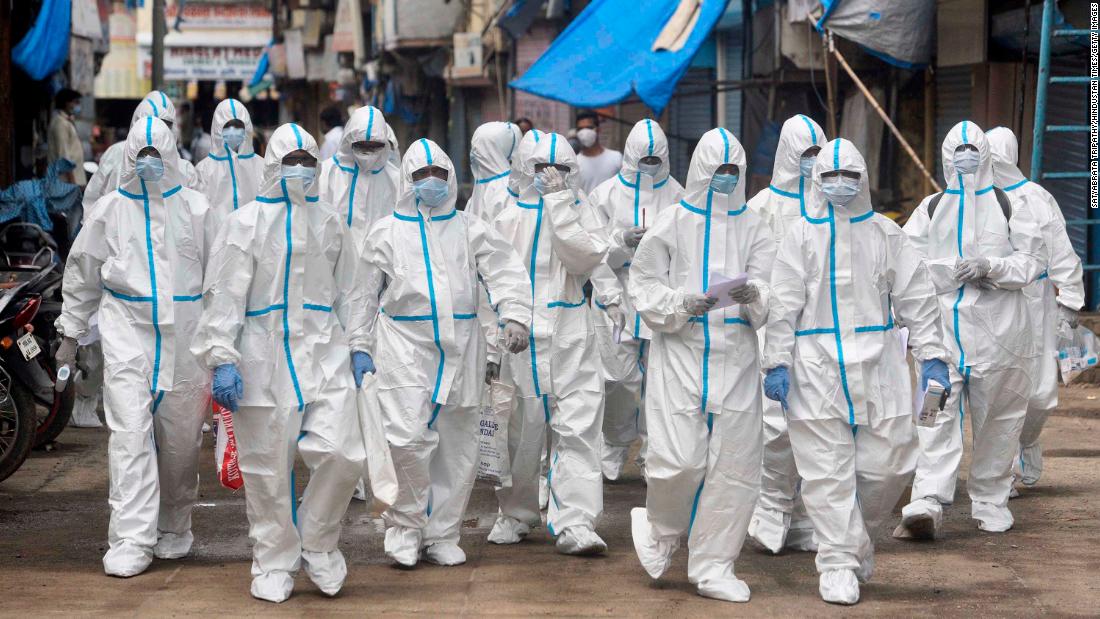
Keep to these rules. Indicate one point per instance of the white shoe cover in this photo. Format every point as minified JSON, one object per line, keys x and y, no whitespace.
{"x":85,"y":413}
{"x":654,"y":555}
{"x":445,"y":553}
{"x":580,"y":541}
{"x":769,"y":528}
{"x":273,"y":586}
{"x":839,"y":587}
{"x":508,"y":530}
{"x":327,"y":570}
{"x":173,"y":545}
{"x":1014,"y":493}
{"x":612,"y":460}
{"x":360,"y":493}
{"x":801,"y":538}
{"x":403,"y":545}
{"x":920,"y":520}
{"x":544,"y":492}
{"x":990,"y":517}
{"x":127,"y":559}
{"x":725,"y":589}
{"x":1031,"y":464}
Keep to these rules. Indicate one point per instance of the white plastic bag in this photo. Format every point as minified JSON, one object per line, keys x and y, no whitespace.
{"x":379,"y":470}
{"x":493,"y":464}
{"x":1079,"y":356}
{"x":225,"y":449}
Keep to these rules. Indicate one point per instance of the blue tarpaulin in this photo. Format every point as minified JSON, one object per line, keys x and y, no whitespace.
{"x":605,"y":55}
{"x":899,"y":33}
{"x":46,"y":46}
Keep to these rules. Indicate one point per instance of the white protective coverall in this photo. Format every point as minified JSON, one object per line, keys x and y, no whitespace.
{"x":703,"y":402}
{"x":559,"y":385}
{"x":230,"y":179}
{"x":780,"y":518}
{"x":629,"y":199}
{"x":138,"y":262}
{"x":1061,"y":284}
{"x":283,"y":305}
{"x":112,"y":162}
{"x":845,"y":278}
{"x":988,"y":332}
{"x":361,"y":191}
{"x":422,"y":270}
{"x":491,"y":150}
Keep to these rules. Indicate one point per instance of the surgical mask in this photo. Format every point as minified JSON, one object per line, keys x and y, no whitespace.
{"x":966,"y":161}
{"x":299,"y":171}
{"x":150,"y":168}
{"x":76,"y":110}
{"x":431,"y":191}
{"x":723,"y":183}
{"x":840,"y":190}
{"x":649,"y":169}
{"x":368,"y":161}
{"x":586,"y":136}
{"x":806,"y":166}
{"x":233,"y":137}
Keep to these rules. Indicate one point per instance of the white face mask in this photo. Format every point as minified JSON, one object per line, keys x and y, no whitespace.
{"x":649,"y":169}
{"x":369,"y":161}
{"x":300,"y":173}
{"x":233,"y":137}
{"x":966,"y":161}
{"x":587,"y":137}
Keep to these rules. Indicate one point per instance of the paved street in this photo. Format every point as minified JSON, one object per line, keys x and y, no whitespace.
{"x":53,"y":522}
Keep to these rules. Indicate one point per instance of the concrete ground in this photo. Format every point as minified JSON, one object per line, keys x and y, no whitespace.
{"x":53,"y":522}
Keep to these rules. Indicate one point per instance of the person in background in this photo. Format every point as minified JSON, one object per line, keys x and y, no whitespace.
{"x":64,"y":141}
{"x":597,"y":164}
{"x":230,"y":176}
{"x":524,"y":124}
{"x":333,"y":120}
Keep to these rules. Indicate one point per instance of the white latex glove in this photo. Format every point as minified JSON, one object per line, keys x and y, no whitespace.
{"x":515,"y":337}
{"x":698,"y":304}
{"x":746,"y":294}
{"x":618,"y":318}
{"x":633,"y":235}
{"x":552,"y":181}
{"x":971,"y":270}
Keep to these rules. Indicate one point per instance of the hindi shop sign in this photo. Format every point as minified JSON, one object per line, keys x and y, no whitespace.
{"x":203,"y":63}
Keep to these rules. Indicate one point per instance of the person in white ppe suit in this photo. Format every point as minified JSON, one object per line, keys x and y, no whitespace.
{"x":358,"y":180}
{"x":703,"y":402}
{"x":283,"y":329}
{"x":981,"y":250}
{"x":491,"y":149}
{"x":1056,"y":297}
{"x":559,"y":386}
{"x":112,"y":162}
{"x":138,"y":262}
{"x":844,"y":279}
{"x":628,"y":203}
{"x":780,"y":519}
{"x":424,"y":265}
{"x":106,"y":180}
{"x":230,"y":175}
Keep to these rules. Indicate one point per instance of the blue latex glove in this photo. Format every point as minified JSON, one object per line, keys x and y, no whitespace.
{"x":934,"y":369}
{"x":777,"y":384}
{"x":361,"y":364}
{"x":228,"y":387}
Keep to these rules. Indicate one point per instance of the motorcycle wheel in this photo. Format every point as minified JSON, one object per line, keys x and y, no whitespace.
{"x":54,"y":417}
{"x":18,"y":423}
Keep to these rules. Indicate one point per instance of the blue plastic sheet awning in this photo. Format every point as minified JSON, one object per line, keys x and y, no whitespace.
{"x":46,"y":46}
{"x":605,"y":55}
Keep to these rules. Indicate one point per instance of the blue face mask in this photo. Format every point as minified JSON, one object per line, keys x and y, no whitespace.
{"x":806,"y":166}
{"x":150,"y":168}
{"x":723,"y":183}
{"x":649,"y":169}
{"x":76,"y":110}
{"x":299,"y":171}
{"x":233,"y":137}
{"x":966,"y":161}
{"x":431,"y":191}
{"x":840,"y":190}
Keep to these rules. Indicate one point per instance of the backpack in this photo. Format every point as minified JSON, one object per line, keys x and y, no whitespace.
{"x":1002,"y":199}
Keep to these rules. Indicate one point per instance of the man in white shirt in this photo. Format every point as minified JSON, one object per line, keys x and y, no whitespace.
{"x":597,"y":164}
{"x":64,"y":141}
{"x":334,"y":131}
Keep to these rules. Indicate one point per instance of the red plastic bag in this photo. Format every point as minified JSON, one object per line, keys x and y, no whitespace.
{"x":225,"y":449}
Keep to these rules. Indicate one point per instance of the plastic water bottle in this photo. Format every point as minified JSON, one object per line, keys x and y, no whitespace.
{"x":63,"y":374}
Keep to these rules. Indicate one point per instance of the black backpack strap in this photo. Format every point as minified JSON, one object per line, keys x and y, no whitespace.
{"x":933,"y":203}
{"x":1004,"y":201}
